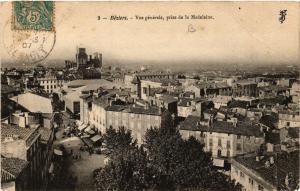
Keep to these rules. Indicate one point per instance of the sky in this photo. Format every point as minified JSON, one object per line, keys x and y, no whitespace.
{"x":241,"y":32}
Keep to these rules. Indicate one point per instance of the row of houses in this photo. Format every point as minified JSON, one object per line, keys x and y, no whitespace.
{"x":27,"y":137}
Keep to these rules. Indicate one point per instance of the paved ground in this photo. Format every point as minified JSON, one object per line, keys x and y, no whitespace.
{"x":83,"y":166}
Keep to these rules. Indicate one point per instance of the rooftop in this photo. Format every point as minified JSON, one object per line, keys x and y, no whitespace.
{"x":12,"y":166}
{"x":45,"y":134}
{"x":94,"y":82}
{"x":34,"y":103}
{"x":16,"y":132}
{"x":275,"y":174}
{"x":193,"y":123}
{"x":151,"y":110}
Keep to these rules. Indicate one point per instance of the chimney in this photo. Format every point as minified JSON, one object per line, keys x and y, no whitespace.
{"x":91,"y":57}
{"x":146,"y":106}
{"x":26,"y":116}
{"x":257,"y":159}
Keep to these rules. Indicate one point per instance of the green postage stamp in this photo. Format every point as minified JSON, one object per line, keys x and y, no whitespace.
{"x":33,"y":15}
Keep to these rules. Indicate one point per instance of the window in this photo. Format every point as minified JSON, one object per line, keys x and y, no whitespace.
{"x":219,"y":142}
{"x":228,"y":153}
{"x":219,"y":153}
{"x":288,"y":124}
{"x":260,"y":187}
{"x":144,"y":90}
{"x":210,"y":142}
{"x":242,"y":174}
{"x":238,"y":147}
{"x":238,"y":136}
{"x":228,"y":144}
{"x":250,"y":181}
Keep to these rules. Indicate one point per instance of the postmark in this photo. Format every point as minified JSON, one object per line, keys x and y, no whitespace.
{"x":30,"y":36}
{"x":33,"y":15}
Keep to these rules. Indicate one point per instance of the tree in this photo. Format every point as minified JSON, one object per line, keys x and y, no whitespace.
{"x":117,"y":141}
{"x":182,"y":164}
{"x":168,"y":163}
{"x":128,"y":167}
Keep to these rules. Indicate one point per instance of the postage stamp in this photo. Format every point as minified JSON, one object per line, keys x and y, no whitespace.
{"x":33,"y":15}
{"x":30,"y":36}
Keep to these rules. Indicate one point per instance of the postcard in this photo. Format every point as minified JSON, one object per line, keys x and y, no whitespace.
{"x":164,"y":95}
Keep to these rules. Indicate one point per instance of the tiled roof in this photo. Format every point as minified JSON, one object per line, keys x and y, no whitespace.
{"x":275,"y":174}
{"x":183,"y":102}
{"x":13,"y":166}
{"x":239,"y":104}
{"x":167,"y":99}
{"x":45,"y":133}
{"x":151,"y":110}
{"x":193,"y":123}
{"x":10,"y":130}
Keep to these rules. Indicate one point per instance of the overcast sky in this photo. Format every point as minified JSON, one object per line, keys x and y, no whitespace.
{"x":239,"y":33}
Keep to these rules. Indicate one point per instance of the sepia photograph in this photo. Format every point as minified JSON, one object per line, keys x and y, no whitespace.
{"x":150,"y":95}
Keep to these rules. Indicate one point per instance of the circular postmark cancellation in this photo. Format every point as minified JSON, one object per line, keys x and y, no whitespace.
{"x":30,"y":36}
{"x":28,"y":47}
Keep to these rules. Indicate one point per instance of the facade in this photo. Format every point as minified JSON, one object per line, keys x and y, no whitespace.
{"x":47,"y":138}
{"x":14,"y":174}
{"x":268,"y":172}
{"x":138,"y":119}
{"x":85,"y":61}
{"x":49,"y":83}
{"x":24,"y":144}
{"x":210,"y":89}
{"x":244,"y":88}
{"x":224,"y":139}
{"x":289,"y":119}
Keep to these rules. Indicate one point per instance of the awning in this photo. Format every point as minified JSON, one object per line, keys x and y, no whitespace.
{"x":58,"y":152}
{"x":88,"y":129}
{"x":218,"y":162}
{"x":91,"y":132}
{"x":96,"y":138}
{"x":82,"y":127}
{"x":51,"y":168}
{"x":79,"y":123}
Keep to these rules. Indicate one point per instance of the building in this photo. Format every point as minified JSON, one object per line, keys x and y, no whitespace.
{"x":289,"y":119}
{"x":83,"y":61}
{"x":268,"y":172}
{"x":244,"y":88}
{"x":34,"y":103}
{"x":73,"y":93}
{"x":14,"y":174}
{"x":106,"y":113}
{"x":224,"y":139}
{"x":46,"y":143}
{"x":188,"y":106}
{"x":272,"y":91}
{"x":210,"y":89}
{"x":24,"y":144}
{"x":49,"y":83}
{"x":295,"y":92}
